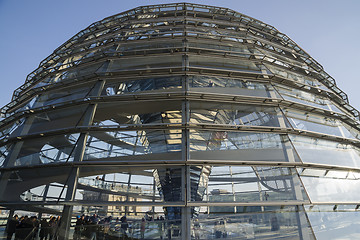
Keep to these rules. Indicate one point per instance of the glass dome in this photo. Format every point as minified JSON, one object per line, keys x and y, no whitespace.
{"x":194,"y":122}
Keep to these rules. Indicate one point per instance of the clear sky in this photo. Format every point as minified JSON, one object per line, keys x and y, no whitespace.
{"x":328,"y":30}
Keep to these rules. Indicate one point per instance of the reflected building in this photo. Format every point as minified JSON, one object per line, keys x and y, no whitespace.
{"x":104,"y":191}
{"x":211,"y":119}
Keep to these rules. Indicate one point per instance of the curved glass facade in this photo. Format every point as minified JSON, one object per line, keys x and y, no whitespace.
{"x":194,"y":122}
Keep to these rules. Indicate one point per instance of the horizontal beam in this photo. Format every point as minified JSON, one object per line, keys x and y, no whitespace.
{"x":178,"y":204}
{"x":176,"y":163}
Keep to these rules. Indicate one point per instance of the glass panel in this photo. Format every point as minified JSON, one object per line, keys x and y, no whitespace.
{"x":292,"y":75}
{"x":147,"y":223}
{"x":130,"y":222}
{"x":7,"y":130}
{"x":339,"y":174}
{"x":232,"y":114}
{"x":76,"y":56}
{"x":145,"y":63}
{"x":147,"y":112}
{"x":322,"y":189}
{"x":4,"y":151}
{"x":72,"y":73}
{"x":109,"y":191}
{"x":51,"y":120}
{"x":312,"y":150}
{"x":52,"y":192}
{"x":225,"y":64}
{"x":307,"y":98}
{"x":149,"y":84}
{"x":317,"y":123}
{"x":129,"y":185}
{"x":45,"y":150}
{"x":242,"y":49}
{"x":327,"y":223}
{"x":353,"y":131}
{"x":239,"y":146}
{"x":246,"y":184}
{"x":105,"y":145}
{"x":37,"y":184}
{"x":101,"y":184}
{"x":230,"y":86}
{"x":309,"y":172}
{"x":32,"y":103}
{"x":312,"y":172}
{"x":63,"y":95}
{"x":124,"y":47}
{"x":251,"y":223}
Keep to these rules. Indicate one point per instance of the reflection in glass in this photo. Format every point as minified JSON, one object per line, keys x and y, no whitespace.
{"x":63,"y":95}
{"x":252,"y":223}
{"x":4,"y":150}
{"x":47,"y":150}
{"x":212,"y":113}
{"x":55,"y":120}
{"x":147,"y":84}
{"x":328,"y":222}
{"x":103,"y":145}
{"x":252,"y":184}
{"x":317,"y":123}
{"x":302,"y":79}
{"x":7,"y":130}
{"x":178,"y":118}
{"x":306,"y":98}
{"x":136,"y":113}
{"x":223,"y":140}
{"x":328,"y":189}
{"x":326,"y":152}
{"x":229,"y":86}
{"x":145,"y":63}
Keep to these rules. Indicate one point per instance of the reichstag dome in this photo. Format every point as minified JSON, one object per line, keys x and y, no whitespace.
{"x":182,"y":121}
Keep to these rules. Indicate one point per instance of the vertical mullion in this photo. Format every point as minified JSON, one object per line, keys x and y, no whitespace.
{"x":78,"y":157}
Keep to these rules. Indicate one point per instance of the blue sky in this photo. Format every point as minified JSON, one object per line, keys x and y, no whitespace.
{"x":328,"y":30}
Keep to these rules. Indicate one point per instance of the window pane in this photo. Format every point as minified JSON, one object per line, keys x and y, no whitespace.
{"x":326,"y":152}
{"x":251,"y":223}
{"x":328,"y":223}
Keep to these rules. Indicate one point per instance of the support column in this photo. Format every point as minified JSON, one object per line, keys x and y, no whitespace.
{"x":44,"y":199}
{"x":71,"y":188}
{"x":128,"y":190}
{"x":186,"y":223}
{"x":232,"y":187}
{"x":186,"y":183}
{"x":11,"y":214}
{"x":295,"y":181}
{"x":78,"y":157}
